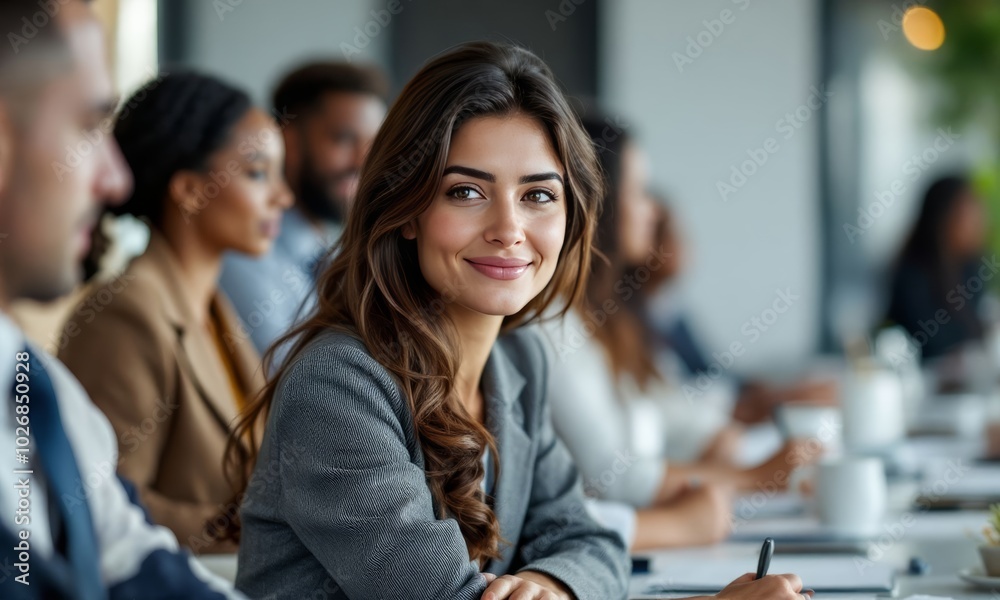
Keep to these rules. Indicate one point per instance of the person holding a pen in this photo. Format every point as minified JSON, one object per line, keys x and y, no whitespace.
{"x":760,"y":585}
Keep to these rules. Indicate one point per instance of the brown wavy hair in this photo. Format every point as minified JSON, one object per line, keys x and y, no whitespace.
{"x":374,"y":289}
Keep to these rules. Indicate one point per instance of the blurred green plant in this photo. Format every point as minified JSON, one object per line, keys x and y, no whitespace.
{"x":967,"y":65}
{"x":991,"y":532}
{"x":966,"y":71}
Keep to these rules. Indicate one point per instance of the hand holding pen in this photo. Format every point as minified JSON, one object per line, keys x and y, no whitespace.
{"x":761,"y":586}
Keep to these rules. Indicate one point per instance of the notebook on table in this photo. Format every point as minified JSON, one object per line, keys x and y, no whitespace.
{"x":837,"y":574}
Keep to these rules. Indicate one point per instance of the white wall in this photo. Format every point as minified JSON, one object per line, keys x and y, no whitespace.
{"x":257,"y":41}
{"x":697,"y":121}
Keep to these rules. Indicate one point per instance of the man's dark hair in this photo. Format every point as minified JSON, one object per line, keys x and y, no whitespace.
{"x":303,"y":88}
{"x":33,"y":47}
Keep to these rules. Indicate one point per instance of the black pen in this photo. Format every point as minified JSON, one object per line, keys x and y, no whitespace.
{"x":764,"y":562}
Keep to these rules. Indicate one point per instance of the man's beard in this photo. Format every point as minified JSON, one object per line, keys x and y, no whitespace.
{"x":314,"y":194}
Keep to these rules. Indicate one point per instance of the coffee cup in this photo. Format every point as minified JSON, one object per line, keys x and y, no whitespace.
{"x":851,"y":495}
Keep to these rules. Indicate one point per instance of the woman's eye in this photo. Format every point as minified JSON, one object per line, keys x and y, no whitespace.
{"x":540,"y":196}
{"x":257,"y":174}
{"x":464,"y":193}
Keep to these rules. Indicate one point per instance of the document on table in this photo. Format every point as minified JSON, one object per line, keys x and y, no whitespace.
{"x":822,"y":573}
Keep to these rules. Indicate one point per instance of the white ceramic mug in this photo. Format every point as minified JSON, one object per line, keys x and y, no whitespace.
{"x":851,"y":495}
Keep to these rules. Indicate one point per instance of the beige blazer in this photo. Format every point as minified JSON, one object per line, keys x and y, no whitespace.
{"x":156,"y":373}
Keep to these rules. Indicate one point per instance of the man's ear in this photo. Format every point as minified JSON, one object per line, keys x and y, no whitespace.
{"x":185,"y":191}
{"x":292,"y":137}
{"x":7,"y":137}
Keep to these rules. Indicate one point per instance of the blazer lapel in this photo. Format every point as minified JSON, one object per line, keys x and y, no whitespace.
{"x":197,"y":354}
{"x":502,"y":384}
{"x":246,"y":359}
{"x":199,"y":358}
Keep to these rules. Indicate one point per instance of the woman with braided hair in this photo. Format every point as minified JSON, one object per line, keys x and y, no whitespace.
{"x":159,"y":349}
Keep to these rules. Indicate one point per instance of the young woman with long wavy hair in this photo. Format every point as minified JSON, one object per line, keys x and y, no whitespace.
{"x":407,"y":450}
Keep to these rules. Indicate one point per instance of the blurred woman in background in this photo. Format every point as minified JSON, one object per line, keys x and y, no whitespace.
{"x":160,"y":349}
{"x":623,"y":419}
{"x":936,"y":286}
{"x":683,"y":352}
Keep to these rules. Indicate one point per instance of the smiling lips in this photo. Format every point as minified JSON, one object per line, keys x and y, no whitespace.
{"x":496,"y":267}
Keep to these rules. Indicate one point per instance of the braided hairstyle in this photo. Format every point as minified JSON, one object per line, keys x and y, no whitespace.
{"x":173,"y":123}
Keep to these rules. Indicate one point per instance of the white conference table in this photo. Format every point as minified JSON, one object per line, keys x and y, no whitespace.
{"x":942,"y":539}
{"x":945,"y":555}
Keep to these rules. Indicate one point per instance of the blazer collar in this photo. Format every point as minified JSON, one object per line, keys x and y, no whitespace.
{"x":197,"y":355}
{"x":502,"y":385}
{"x":502,"y":381}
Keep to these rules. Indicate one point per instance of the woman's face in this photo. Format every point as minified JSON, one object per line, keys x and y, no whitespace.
{"x":669,"y":244}
{"x":241,"y":196}
{"x":491,"y":237}
{"x":967,"y":226}
{"x":636,"y":210}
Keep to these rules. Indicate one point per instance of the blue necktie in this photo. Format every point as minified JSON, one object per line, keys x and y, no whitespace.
{"x":62,"y":475}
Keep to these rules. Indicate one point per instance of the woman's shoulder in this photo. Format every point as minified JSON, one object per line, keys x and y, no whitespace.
{"x":335,"y":387}
{"x":337,"y":360}
{"x":124,"y":309}
{"x":337,"y":352}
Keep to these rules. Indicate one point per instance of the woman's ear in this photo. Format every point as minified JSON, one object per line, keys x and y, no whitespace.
{"x":409,"y":231}
{"x":185,"y":191}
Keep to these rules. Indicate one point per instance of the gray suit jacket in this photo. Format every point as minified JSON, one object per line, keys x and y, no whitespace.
{"x":338,"y":506}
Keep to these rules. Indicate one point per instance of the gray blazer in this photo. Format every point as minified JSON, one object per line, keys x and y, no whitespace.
{"x":338,"y":506}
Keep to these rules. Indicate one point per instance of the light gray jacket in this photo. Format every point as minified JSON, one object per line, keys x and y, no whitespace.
{"x":338,"y":506}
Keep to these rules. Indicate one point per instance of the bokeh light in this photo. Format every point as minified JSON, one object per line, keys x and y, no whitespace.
{"x":923,"y":28}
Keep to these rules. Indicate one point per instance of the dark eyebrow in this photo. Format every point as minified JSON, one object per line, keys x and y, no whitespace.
{"x":541,"y":177}
{"x":471,"y":173}
{"x":490,"y":177}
